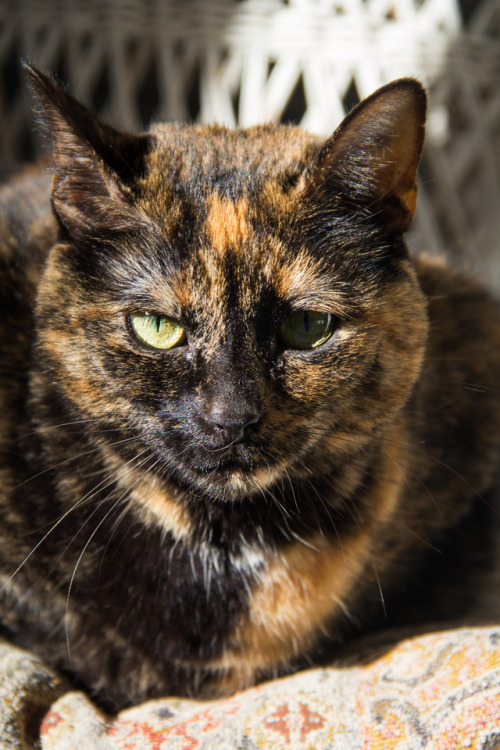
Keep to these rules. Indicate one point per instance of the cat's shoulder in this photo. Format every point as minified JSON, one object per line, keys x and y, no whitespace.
{"x":456,"y":291}
{"x":25,"y":214}
{"x":27,"y":232}
{"x":464,"y":330}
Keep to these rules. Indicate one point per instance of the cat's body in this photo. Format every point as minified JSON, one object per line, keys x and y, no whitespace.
{"x":194,"y":518}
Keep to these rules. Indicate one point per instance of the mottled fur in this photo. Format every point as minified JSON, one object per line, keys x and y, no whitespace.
{"x":196,"y":519}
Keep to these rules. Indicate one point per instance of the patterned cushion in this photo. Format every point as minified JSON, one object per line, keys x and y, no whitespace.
{"x":439,"y":690}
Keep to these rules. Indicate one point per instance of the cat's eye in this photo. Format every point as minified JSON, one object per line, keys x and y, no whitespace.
{"x":157,"y":331}
{"x":307,"y":329}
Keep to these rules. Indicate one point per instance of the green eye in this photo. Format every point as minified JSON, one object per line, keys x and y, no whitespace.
{"x":157,"y":331}
{"x":307,"y":329}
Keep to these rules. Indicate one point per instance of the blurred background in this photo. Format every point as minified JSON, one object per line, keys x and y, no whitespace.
{"x":239,"y":62}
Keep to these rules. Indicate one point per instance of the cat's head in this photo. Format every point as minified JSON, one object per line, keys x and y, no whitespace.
{"x":236,"y":308}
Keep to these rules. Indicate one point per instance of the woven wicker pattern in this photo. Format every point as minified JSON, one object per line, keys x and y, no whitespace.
{"x":260,"y":60}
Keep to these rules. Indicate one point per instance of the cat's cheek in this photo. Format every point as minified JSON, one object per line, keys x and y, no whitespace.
{"x":149,"y":374}
{"x":330,"y":373}
{"x":152,"y":501}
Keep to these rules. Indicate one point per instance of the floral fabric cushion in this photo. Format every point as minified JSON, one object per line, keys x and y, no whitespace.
{"x":438,"y":691}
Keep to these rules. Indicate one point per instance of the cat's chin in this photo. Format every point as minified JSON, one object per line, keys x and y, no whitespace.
{"x":231,"y":482}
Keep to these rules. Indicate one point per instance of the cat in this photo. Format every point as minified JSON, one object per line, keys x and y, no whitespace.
{"x":240,"y":425}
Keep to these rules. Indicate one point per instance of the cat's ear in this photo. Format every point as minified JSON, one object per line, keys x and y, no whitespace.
{"x":372,"y":158}
{"x":94,"y":165}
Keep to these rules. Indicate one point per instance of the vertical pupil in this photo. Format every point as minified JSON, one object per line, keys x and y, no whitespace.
{"x":306,"y":322}
{"x":158,"y":321}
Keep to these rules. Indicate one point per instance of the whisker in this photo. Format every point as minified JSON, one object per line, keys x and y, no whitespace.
{"x":76,"y":457}
{"x":418,"y":479}
{"x":109,"y":481}
{"x":101,"y":522}
{"x":80,"y":557}
{"x":100,"y":471}
{"x":56,"y":524}
{"x":125,"y":509}
{"x":381,"y":593}
{"x":350,"y":438}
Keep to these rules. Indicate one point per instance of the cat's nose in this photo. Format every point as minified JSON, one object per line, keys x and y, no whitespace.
{"x":229,"y":424}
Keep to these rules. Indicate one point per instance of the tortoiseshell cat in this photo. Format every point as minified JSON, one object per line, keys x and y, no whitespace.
{"x":239,"y":424}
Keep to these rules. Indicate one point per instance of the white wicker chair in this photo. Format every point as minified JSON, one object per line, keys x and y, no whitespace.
{"x":271,"y":60}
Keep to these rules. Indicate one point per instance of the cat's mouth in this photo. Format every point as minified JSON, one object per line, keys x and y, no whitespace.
{"x":239,"y":471}
{"x":229,"y":464}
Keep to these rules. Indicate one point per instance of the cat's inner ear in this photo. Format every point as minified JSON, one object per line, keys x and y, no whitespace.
{"x":371,"y":160}
{"x":94,"y":165}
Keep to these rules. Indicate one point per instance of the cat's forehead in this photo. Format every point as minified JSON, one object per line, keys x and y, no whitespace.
{"x":224,"y":202}
{"x":206,"y":159}
{"x":229,"y":258}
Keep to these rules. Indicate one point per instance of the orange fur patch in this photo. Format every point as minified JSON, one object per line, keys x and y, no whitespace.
{"x":305,"y":584}
{"x":150,"y":499}
{"x":227,"y":224}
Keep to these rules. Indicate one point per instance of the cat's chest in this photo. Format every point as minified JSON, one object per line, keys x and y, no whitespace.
{"x":216,"y":584}
{"x":236,"y":610}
